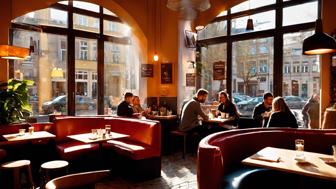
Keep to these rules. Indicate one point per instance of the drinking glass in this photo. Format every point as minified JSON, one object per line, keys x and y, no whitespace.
{"x":299,"y":148}
{"x":94,"y":133}
{"x":31,"y":130}
{"x":22,"y":132}
{"x":108,"y":129}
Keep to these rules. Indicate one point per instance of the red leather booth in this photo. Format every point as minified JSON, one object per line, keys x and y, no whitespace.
{"x":220,"y":153}
{"x":142,"y":148}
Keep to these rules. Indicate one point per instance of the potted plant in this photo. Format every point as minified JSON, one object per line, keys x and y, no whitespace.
{"x":14,"y":105}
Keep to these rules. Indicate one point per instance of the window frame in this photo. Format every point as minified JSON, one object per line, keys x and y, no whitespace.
{"x":70,"y":33}
{"x":277,"y":33}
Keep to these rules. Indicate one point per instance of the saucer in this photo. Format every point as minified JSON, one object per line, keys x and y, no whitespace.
{"x":93,"y":138}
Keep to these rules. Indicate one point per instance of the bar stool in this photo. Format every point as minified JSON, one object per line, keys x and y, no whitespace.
{"x":52,"y":169}
{"x":21,"y":171}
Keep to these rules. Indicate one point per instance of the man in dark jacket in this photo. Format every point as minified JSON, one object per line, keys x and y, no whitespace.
{"x":125,"y":108}
{"x":261,"y":111}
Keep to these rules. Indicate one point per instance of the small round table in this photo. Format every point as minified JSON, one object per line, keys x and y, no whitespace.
{"x":52,"y":169}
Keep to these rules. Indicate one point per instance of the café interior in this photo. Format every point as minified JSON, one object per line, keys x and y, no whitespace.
{"x":68,"y":68}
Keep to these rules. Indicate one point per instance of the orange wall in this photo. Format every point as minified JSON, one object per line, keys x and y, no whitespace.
{"x":329,"y":25}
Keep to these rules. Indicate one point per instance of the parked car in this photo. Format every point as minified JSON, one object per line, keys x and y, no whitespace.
{"x":237,"y":99}
{"x":294,"y":102}
{"x":249,"y":105}
{"x":59,"y":104}
{"x":243,"y":97}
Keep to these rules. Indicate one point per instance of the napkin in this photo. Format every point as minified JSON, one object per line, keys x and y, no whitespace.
{"x":269,"y":158}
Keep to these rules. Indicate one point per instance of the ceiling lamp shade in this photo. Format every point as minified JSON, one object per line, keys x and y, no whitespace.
{"x":319,"y":43}
{"x":249,"y":24}
{"x":57,"y":73}
{"x":13,"y":52}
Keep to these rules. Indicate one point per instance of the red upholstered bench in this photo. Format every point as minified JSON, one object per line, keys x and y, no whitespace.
{"x":141,"y":151}
{"x":220,"y":154}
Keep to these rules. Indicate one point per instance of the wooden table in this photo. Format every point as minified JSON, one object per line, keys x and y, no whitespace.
{"x":220,"y":122}
{"x":167,"y":117}
{"x":26,"y":137}
{"x":86,"y":137}
{"x":317,"y":165}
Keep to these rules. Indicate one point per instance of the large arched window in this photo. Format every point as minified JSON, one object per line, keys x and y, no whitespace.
{"x":82,"y":58}
{"x":267,"y":58}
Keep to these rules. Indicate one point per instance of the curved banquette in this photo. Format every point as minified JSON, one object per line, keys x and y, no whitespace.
{"x":220,"y":154}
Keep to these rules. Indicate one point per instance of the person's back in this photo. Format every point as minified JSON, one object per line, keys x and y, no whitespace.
{"x":311,"y":112}
{"x":189,"y":115}
{"x":282,"y":119}
{"x":282,"y":115}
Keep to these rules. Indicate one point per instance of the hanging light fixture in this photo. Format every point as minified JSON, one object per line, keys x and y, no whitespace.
{"x":156,"y":57}
{"x":13,"y":52}
{"x":249,"y":24}
{"x":320,"y":42}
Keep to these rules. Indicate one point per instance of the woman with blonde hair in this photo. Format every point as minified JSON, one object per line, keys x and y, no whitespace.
{"x":281,"y":115}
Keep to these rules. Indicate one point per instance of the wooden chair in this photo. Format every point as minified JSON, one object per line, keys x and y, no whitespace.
{"x":78,"y":180}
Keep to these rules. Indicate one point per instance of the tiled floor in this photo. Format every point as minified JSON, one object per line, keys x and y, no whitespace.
{"x":176,"y":173}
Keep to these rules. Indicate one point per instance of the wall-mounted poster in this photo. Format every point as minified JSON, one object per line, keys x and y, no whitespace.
{"x":190,"y":80}
{"x":219,"y":70}
{"x":166,"y":73}
{"x":146,"y":70}
{"x":190,"y":39}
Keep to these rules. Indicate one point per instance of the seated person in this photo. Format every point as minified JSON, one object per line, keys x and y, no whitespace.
{"x":226,"y":106}
{"x":138,"y":110}
{"x":125,"y":108}
{"x":281,"y":115}
{"x":136,"y":105}
{"x":261,"y":112}
{"x":190,"y":112}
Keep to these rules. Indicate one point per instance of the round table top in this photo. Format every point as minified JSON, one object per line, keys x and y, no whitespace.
{"x":16,"y":164}
{"x":56,"y":164}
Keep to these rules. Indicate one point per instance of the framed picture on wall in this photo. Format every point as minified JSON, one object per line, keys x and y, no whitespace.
{"x":166,"y":73}
{"x":190,"y":39}
{"x":146,"y":70}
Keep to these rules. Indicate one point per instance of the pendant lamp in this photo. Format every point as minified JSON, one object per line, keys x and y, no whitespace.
{"x":249,"y":24}
{"x":320,"y":42}
{"x":13,"y":52}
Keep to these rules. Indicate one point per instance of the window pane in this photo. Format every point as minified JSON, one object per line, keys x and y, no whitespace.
{"x":116,"y":29}
{"x":108,"y":12}
{"x":86,"y":76}
{"x":252,"y":72}
{"x":301,"y":74}
{"x":300,"y":14}
{"x":121,"y":67}
{"x":46,"y":68}
{"x":251,"y":4}
{"x":215,"y":29}
{"x":213,"y":54}
{"x":48,"y":17}
{"x":86,"y":23}
{"x":86,"y":6}
{"x":261,"y":21}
